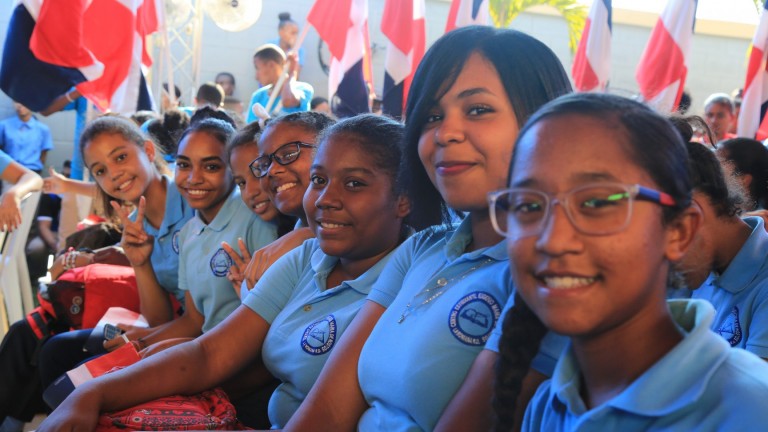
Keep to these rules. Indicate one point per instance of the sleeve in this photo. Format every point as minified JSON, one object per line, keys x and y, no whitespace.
{"x":260,"y":233}
{"x":390,"y":280}
{"x":495,"y":338}
{"x":757,"y":342}
{"x":273,"y":291}
{"x":47,"y":143}
{"x":183,"y":257}
{"x":307,"y":91}
{"x":5,"y":160}
{"x":250,"y":116}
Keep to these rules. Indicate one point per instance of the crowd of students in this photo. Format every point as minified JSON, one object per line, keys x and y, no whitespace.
{"x":503,"y":260}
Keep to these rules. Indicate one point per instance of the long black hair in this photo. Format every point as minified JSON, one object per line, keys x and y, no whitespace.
{"x":529,"y":71}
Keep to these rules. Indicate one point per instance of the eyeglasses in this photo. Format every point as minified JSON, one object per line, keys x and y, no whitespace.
{"x":285,"y":155}
{"x":594,"y":209}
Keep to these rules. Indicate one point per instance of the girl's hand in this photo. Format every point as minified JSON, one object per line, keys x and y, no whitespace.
{"x":56,"y":183}
{"x":79,"y":412}
{"x":237,"y":271}
{"x":137,"y":244}
{"x":10,"y":212}
{"x":132,"y":333}
{"x":266,"y":256}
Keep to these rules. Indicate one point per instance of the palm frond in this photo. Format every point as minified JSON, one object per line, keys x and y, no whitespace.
{"x":575,"y":14}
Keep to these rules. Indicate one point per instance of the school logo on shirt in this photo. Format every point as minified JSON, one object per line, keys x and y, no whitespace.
{"x":220,"y":263}
{"x":731,"y":328}
{"x":320,"y":336}
{"x":473,"y":317}
{"x":175,"y":242}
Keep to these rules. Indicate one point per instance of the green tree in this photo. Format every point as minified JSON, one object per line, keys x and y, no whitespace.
{"x":575,"y":14}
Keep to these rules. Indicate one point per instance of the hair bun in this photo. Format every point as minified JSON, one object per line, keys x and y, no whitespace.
{"x":284,"y":16}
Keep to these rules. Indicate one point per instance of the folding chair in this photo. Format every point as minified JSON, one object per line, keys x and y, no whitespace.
{"x":16,"y":299}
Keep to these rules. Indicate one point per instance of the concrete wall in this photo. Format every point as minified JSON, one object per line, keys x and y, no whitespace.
{"x":717,"y":64}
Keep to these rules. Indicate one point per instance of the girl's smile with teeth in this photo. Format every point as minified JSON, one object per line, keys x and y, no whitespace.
{"x":285,"y":186}
{"x":567,"y":282}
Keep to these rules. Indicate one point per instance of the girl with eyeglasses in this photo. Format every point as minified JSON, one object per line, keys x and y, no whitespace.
{"x":597,"y":214}
{"x":286,"y":147}
{"x":298,"y":312}
{"x":420,"y":353}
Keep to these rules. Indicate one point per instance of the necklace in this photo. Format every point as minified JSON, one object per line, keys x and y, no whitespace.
{"x":441,"y":286}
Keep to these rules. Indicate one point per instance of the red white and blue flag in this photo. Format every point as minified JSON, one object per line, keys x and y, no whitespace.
{"x":592,"y":65}
{"x":752,"y":119}
{"x":664,"y":65}
{"x":467,"y":12}
{"x":96,"y":46}
{"x":403,"y":25}
{"x":343,"y":25}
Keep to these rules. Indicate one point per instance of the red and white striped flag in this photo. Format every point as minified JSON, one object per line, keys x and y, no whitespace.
{"x":343,"y":25}
{"x":592,"y":65}
{"x":467,"y":12}
{"x":97,"y":46}
{"x":663,"y":67}
{"x":403,"y":25}
{"x":752,"y":119}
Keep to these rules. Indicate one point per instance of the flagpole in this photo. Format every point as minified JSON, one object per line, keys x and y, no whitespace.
{"x":281,"y":81}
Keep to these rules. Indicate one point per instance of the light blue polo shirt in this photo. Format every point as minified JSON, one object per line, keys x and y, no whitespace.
{"x":165,"y":253}
{"x":262,"y":96}
{"x":5,"y":160}
{"x":24,"y":141}
{"x":203,"y":263}
{"x":307,"y":319}
{"x":410,"y":370}
{"x":740,"y":294}
{"x":700,"y":385}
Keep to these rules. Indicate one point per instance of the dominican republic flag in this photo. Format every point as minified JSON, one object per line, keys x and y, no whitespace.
{"x":343,"y":25}
{"x":752,"y":119}
{"x":663,"y":67}
{"x":96,"y":46}
{"x":467,"y":12}
{"x":403,"y":25}
{"x":592,"y":65}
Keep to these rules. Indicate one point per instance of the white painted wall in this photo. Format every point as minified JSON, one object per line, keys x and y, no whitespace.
{"x":717,"y":64}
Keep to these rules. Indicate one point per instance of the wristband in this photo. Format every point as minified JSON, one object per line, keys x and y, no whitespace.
{"x":69,"y":98}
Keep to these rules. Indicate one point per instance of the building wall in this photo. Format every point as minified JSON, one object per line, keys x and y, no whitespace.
{"x":717,"y":64}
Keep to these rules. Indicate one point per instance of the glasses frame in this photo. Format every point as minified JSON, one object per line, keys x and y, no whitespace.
{"x":634,"y":192}
{"x":256,"y":171}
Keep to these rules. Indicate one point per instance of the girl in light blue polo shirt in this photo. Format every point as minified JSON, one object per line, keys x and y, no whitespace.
{"x":205,"y":181}
{"x":128,"y":170}
{"x":299,"y":310}
{"x":728,"y":264}
{"x":596,"y":267}
{"x":435,"y":305}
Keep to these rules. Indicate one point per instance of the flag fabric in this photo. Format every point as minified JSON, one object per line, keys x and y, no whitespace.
{"x":467,"y":12}
{"x":664,"y":64}
{"x":403,"y":25}
{"x":592,"y":65}
{"x":96,"y":46}
{"x":343,"y":25}
{"x":752,"y":119}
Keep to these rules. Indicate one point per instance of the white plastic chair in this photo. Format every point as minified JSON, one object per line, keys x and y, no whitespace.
{"x":16,"y":298}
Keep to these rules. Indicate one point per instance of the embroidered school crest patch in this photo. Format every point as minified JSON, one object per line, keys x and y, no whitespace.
{"x":473,"y":317}
{"x":730,"y":329}
{"x":175,"y":242}
{"x":319,"y":336}
{"x":220,"y":263}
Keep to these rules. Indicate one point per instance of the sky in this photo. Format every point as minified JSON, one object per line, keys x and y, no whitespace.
{"x":742,"y":11}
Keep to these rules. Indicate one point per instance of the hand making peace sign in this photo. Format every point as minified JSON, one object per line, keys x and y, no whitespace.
{"x":137,"y":244}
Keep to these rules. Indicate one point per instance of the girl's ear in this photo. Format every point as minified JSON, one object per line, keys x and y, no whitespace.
{"x":403,"y":206}
{"x":149,"y":149}
{"x":682,"y":231}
